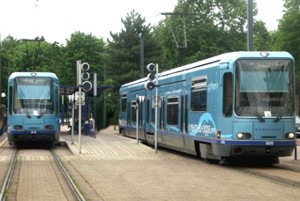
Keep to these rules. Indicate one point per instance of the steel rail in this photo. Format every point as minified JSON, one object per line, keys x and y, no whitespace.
{"x":68,"y":178}
{"x":8,"y":176}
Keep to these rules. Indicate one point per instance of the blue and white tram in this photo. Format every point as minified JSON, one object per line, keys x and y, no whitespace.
{"x":33,"y":106}
{"x":236,"y":104}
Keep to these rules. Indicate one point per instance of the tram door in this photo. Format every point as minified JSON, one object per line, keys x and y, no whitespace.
{"x":227,"y":104}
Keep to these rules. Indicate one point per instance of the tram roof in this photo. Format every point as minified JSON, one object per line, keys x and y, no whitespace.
{"x":32,"y":74}
{"x":222,"y":58}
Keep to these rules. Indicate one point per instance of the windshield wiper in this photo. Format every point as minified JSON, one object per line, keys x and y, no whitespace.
{"x":26,"y":110}
{"x":40,"y":115}
{"x":41,"y":108}
{"x":260,"y":118}
{"x":279,"y":116}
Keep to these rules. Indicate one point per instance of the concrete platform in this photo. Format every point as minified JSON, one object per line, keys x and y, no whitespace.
{"x":108,"y":144}
{"x":113,"y":167}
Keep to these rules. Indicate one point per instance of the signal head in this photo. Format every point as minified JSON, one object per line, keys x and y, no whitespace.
{"x":149,"y":85}
{"x":151,"y":67}
{"x":85,"y":66}
{"x":87,"y":86}
{"x":85,"y":76}
{"x":151,"y":76}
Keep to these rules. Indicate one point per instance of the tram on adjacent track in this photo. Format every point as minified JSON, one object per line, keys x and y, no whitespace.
{"x":235,"y":105}
{"x":33,"y":107}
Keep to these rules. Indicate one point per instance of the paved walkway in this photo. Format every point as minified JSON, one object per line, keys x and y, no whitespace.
{"x":109,"y":145}
{"x":112,"y":167}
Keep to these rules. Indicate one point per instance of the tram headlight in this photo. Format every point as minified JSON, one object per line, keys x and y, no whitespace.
{"x":290,"y":135}
{"x":243,"y":136}
{"x":239,"y":135}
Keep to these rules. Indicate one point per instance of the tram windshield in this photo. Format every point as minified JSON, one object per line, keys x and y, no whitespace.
{"x":33,"y":96}
{"x":264,"y":88}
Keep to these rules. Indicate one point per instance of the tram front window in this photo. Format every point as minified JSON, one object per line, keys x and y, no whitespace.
{"x":33,"y":96}
{"x":264,"y":88}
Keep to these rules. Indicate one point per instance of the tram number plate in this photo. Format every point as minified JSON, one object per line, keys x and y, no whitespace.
{"x":270,"y":143}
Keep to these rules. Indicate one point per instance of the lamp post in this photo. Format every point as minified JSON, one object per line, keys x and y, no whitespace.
{"x":250,"y":25}
{"x":104,"y":100}
{"x":142,"y":54}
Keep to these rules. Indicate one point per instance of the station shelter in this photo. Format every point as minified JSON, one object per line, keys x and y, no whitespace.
{"x":88,"y":123}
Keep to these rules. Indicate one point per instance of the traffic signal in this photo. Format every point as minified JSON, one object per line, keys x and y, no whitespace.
{"x":85,"y":75}
{"x":149,"y":84}
{"x":84,"y":71}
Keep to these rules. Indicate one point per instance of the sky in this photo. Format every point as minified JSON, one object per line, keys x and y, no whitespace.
{"x":56,"y":20}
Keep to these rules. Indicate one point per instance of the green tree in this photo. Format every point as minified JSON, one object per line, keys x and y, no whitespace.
{"x":287,"y":37}
{"x":30,"y":55}
{"x":84,"y":47}
{"x":7,"y":60}
{"x":124,"y":53}
{"x":211,"y":27}
{"x":262,"y":38}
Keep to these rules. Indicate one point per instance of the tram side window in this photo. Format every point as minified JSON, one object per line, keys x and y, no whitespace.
{"x":199,"y":94}
{"x":172,"y":111}
{"x":227,"y":95}
{"x":124,"y":101}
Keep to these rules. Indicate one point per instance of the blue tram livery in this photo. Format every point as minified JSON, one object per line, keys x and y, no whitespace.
{"x":33,"y":106}
{"x":233,"y":105}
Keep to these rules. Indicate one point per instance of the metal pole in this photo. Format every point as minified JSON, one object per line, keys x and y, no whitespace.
{"x":104,"y":101}
{"x":95,"y":104}
{"x":156,"y":106}
{"x":62,"y":110}
{"x":250,"y":25}
{"x":137,"y":123}
{"x":72,"y":131}
{"x":79,"y":104}
{"x":142,"y":54}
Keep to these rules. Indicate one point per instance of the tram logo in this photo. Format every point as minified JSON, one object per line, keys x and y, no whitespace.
{"x":206,"y":126}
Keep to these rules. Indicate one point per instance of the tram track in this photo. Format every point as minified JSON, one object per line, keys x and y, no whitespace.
{"x":68,"y":178}
{"x":8,"y":176}
{"x":20,"y":172}
{"x":283,"y":174}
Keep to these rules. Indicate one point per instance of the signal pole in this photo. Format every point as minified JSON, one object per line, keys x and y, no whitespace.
{"x":142,"y":54}
{"x":82,"y":74}
{"x":250,"y":25}
{"x":149,"y":85}
{"x":79,"y":102}
{"x":156,"y":107}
